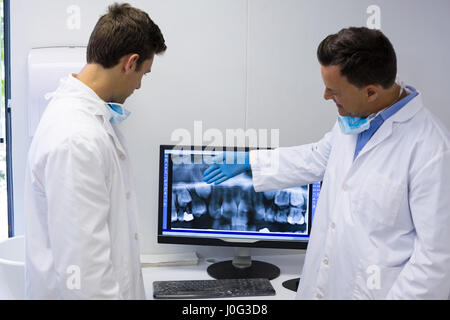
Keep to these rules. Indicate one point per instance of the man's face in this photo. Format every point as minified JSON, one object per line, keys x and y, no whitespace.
{"x":132,"y":80}
{"x":349,"y":99}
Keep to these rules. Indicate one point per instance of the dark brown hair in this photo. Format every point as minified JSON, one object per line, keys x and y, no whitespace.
{"x":365,"y":56}
{"x":124,"y":30}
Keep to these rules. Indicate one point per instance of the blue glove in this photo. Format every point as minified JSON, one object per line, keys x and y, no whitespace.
{"x":226,"y":166}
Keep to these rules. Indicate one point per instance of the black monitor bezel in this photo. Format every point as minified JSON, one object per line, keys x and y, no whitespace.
{"x":164,"y":239}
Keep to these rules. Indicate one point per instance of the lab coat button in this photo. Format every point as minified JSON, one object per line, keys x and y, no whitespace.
{"x":325,"y":261}
{"x":122,"y":157}
{"x":128,"y":195}
{"x":136,"y":236}
{"x":333,"y":225}
{"x":319,"y":296}
{"x":344,"y":187}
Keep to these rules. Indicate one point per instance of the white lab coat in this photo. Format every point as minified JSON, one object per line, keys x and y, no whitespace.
{"x":81,"y":232}
{"x":382,"y":224}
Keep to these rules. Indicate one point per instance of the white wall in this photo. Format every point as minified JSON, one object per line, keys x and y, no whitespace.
{"x":232,"y":64}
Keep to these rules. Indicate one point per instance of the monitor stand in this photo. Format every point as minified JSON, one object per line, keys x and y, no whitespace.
{"x":292,"y":284}
{"x":242,"y":267}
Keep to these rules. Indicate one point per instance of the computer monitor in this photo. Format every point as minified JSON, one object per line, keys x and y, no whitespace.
{"x":229,"y":214}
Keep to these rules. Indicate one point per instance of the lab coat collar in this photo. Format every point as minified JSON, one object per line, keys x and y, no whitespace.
{"x":409,"y":110}
{"x":72,"y":87}
{"x":385,"y":131}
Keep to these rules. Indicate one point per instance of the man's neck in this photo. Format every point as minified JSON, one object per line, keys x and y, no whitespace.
{"x":392,"y":96}
{"x":98,"y":79}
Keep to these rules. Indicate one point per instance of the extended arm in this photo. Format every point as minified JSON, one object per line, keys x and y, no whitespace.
{"x":290,"y":167}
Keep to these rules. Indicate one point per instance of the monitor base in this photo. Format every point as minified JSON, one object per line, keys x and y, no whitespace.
{"x":292,"y":284}
{"x":242,"y":267}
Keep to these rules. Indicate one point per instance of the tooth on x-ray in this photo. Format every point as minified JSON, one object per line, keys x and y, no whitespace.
{"x":295,"y":216}
{"x":198,"y":205}
{"x":188,"y":217}
{"x":183,"y":196}
{"x":215,"y":203}
{"x":282,"y":215}
{"x":240,"y":221}
{"x":297,"y":198}
{"x":269,"y":195}
{"x":203,"y":190}
{"x":282,"y":198}
{"x":180,"y":214}
{"x":258,"y":205}
{"x":270,"y":213}
{"x":229,"y":206}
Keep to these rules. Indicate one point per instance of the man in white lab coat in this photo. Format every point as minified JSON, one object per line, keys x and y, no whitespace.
{"x":382,"y":224}
{"x":81,"y":232}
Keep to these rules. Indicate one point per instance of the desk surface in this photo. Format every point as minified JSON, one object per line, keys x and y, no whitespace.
{"x":290,"y":266}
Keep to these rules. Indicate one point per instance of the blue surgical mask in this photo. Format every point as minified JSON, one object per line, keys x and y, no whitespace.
{"x":354,"y":125}
{"x":118,"y":112}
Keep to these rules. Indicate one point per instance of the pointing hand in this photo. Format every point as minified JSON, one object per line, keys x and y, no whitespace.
{"x":226,"y":166}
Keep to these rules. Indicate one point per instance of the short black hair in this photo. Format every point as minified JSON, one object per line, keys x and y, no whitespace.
{"x":121,"y":31}
{"x":365,"y":56}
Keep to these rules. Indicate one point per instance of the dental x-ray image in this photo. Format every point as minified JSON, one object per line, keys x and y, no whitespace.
{"x":234,"y":205}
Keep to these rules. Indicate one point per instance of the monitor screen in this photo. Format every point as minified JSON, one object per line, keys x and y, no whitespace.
{"x":231,"y":213}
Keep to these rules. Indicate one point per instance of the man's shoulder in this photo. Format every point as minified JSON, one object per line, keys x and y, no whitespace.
{"x":68,"y":116}
{"x":427,"y":138}
{"x":430,"y":128}
{"x":68,"y":131}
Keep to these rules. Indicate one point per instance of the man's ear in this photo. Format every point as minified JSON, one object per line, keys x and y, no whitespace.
{"x":130,"y":62}
{"x":372,"y":92}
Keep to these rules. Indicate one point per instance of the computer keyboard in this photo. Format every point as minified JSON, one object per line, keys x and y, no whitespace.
{"x":201,"y":289}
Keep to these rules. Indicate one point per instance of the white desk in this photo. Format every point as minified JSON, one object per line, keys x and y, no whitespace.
{"x":290,"y":267}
